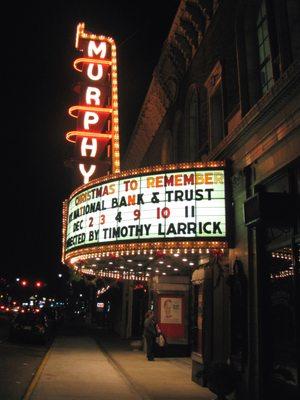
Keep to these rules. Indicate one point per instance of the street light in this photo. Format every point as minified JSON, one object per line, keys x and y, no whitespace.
{"x":60,"y":275}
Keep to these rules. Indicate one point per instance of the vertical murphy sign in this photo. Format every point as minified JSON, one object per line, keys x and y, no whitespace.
{"x":97,"y":133}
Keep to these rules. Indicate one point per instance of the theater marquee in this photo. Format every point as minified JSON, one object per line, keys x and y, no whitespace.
{"x":182,"y":202}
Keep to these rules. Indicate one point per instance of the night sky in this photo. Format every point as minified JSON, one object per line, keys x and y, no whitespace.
{"x":37,"y":53}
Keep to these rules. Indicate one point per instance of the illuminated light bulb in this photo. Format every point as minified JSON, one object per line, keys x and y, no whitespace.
{"x":175,"y":269}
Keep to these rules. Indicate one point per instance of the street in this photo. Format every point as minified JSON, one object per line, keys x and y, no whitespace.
{"x":18,"y":363}
{"x":86,"y":363}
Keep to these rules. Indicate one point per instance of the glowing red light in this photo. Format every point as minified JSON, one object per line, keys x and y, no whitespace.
{"x":73,"y":111}
{"x":71,"y":136}
{"x":97,"y":115}
{"x":78,"y":63}
{"x":24,"y":283}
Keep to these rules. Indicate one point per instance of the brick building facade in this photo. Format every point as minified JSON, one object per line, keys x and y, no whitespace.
{"x":226,"y":87}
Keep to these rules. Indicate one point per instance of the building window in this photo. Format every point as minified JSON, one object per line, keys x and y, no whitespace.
{"x":264,"y":49}
{"x":215,"y":103}
{"x":192,"y":125}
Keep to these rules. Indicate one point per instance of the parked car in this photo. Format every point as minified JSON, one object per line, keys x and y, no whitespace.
{"x":30,"y":325}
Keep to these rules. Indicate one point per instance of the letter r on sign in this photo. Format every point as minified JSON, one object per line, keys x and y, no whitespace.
{"x":92,"y":94}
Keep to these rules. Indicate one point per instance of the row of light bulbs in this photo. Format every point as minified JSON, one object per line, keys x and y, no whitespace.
{"x":282,"y":256}
{"x":79,"y":255}
{"x":151,"y":169}
{"x":283,"y":274}
{"x":115,"y":274}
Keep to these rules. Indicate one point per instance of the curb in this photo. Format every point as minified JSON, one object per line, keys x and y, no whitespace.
{"x":37,"y":375}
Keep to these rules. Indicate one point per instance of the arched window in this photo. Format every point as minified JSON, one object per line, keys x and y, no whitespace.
{"x":191,"y":137}
{"x":266,"y":74}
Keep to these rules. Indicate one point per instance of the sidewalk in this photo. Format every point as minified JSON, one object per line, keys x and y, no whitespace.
{"x":77,"y":368}
{"x":165,"y":378}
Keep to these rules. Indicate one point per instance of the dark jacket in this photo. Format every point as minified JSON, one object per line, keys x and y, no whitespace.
{"x":149,"y":327}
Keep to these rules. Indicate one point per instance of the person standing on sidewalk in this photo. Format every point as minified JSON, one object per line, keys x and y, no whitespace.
{"x":150,"y":334}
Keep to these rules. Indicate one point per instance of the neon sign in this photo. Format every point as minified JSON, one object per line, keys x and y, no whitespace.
{"x":97,"y":132}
